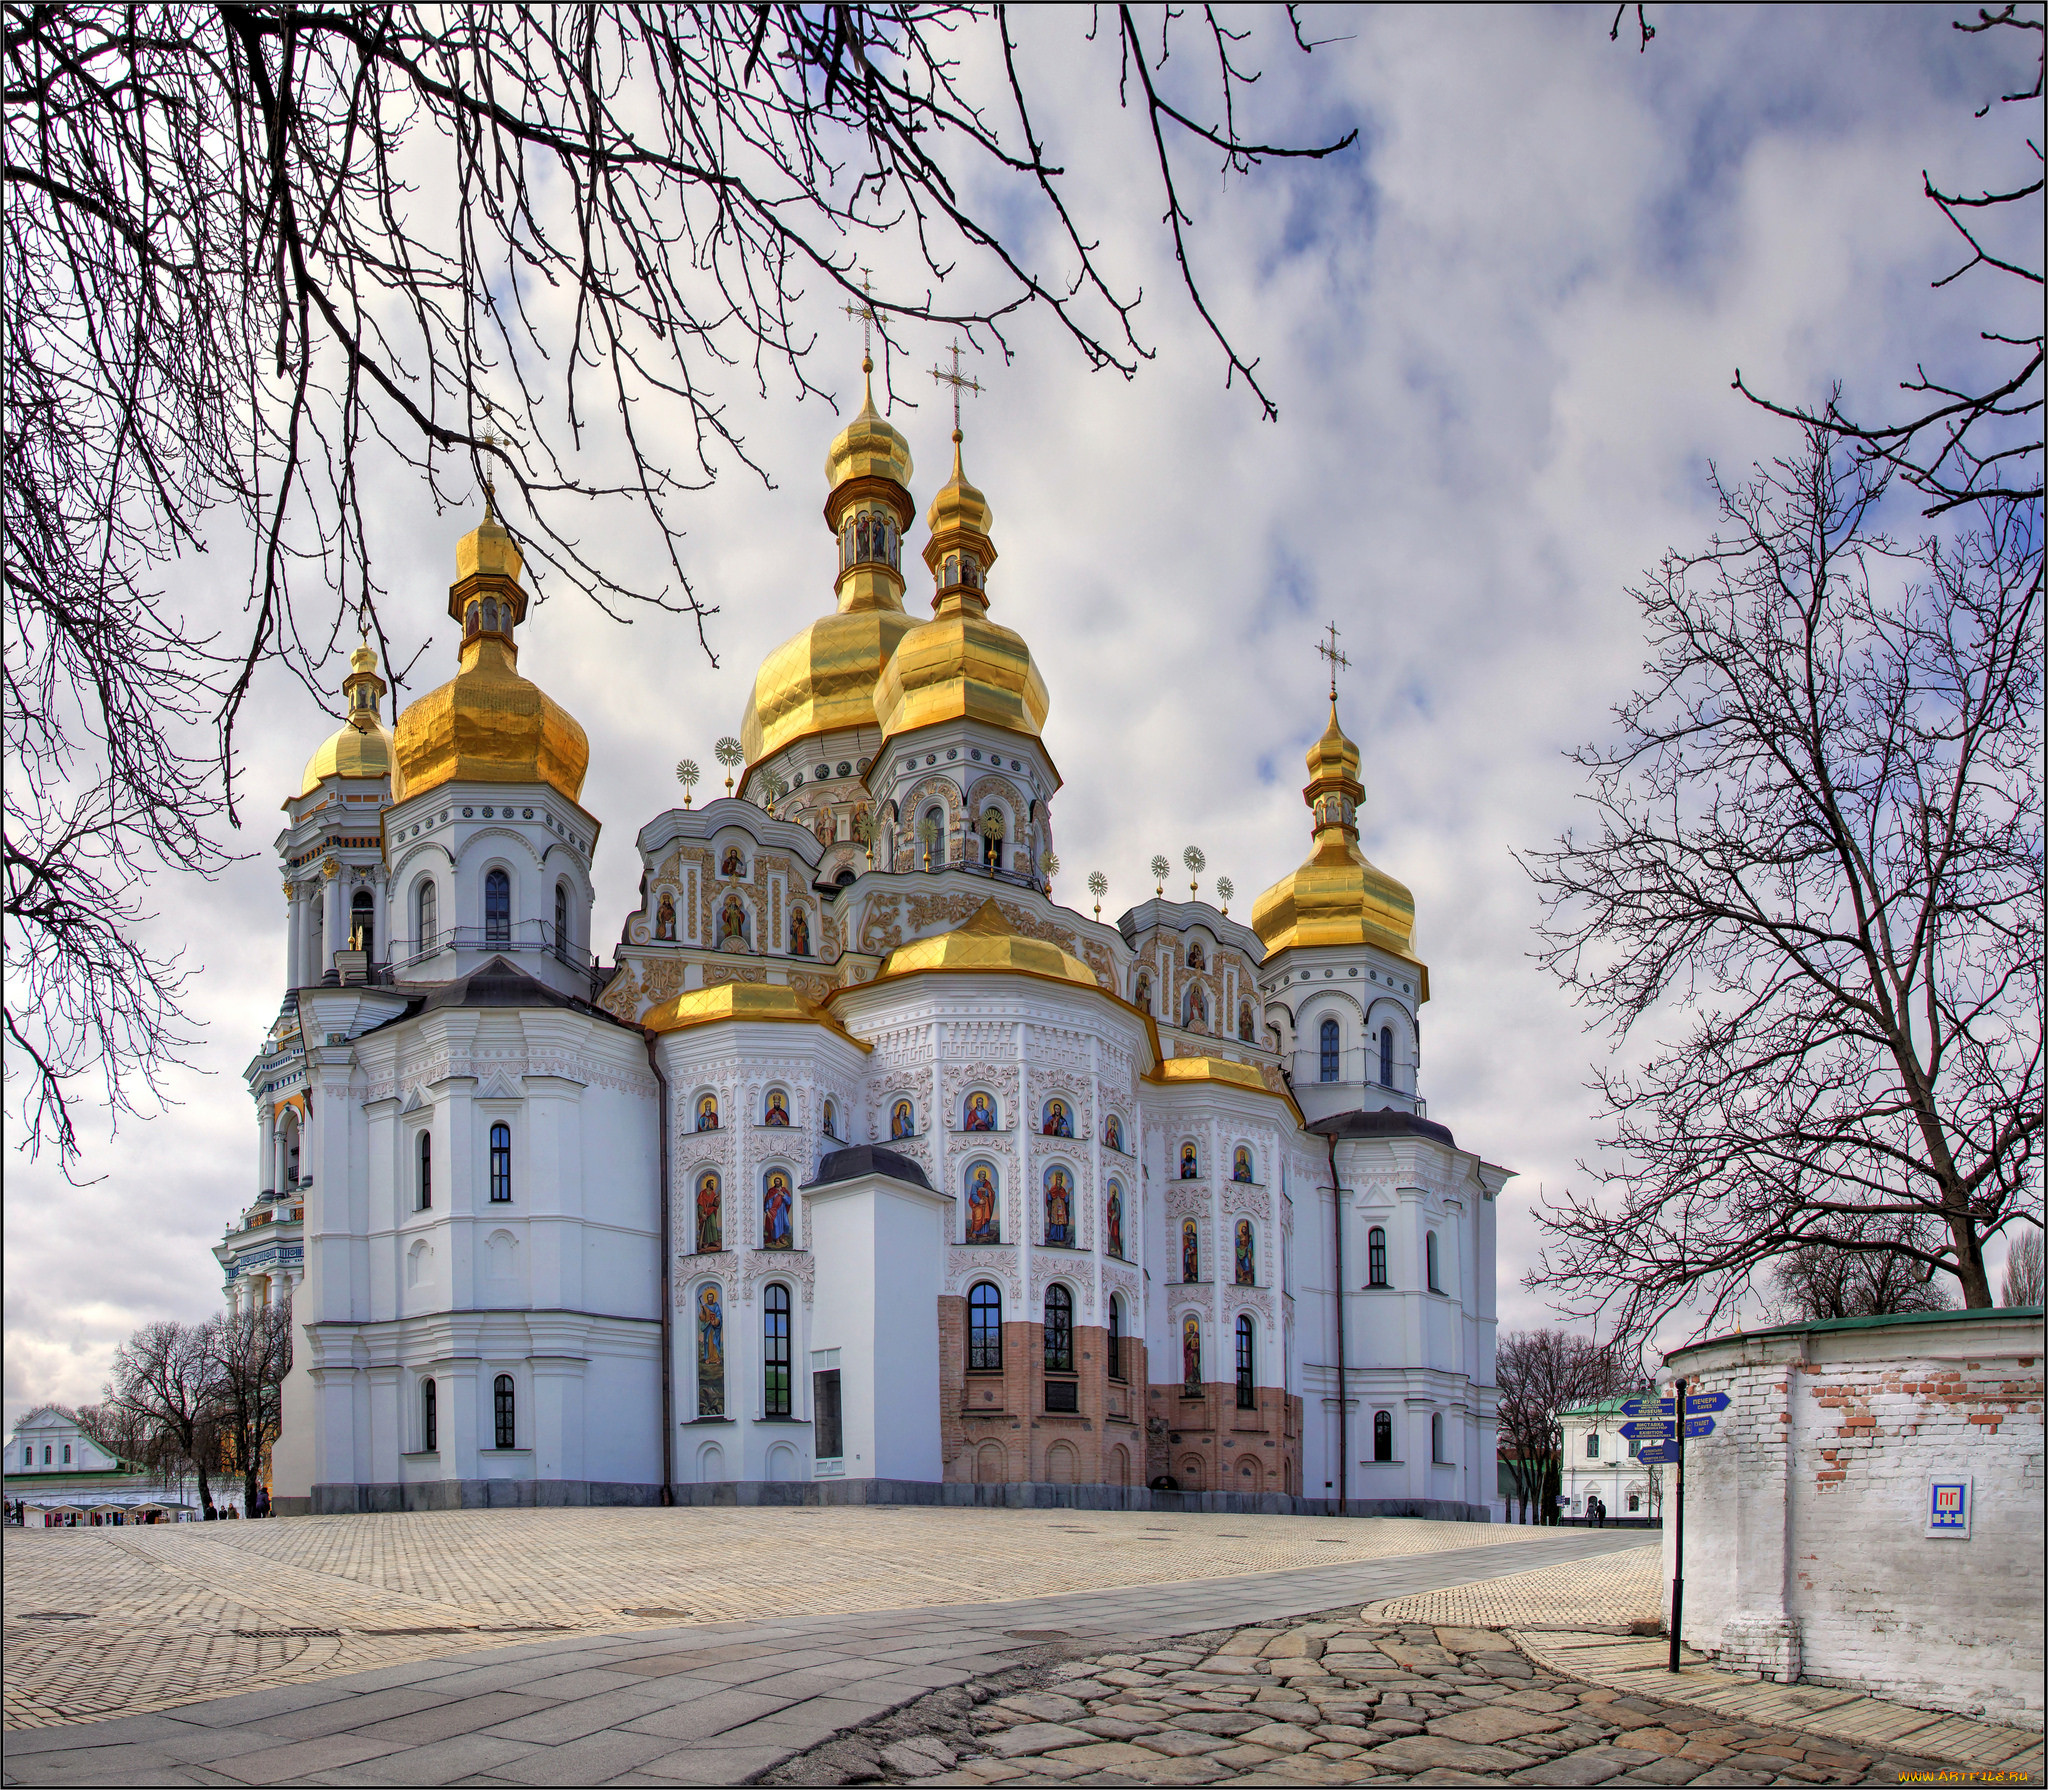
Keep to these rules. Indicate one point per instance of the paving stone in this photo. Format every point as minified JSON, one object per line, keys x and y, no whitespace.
{"x":1175,"y":1744}
{"x":1111,"y":1727}
{"x":1222,"y":1722}
{"x":1104,"y":1755}
{"x":1430,"y":1752}
{"x":1242,"y":1757}
{"x":1045,"y":1706}
{"x":1594,"y":1766}
{"x":1035,"y":1737}
{"x":1485,"y":1726}
{"x":1280,"y":1737}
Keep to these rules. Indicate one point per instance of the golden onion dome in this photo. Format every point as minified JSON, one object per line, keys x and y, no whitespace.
{"x":360,"y":747}
{"x":960,"y":665}
{"x":1338,"y":896}
{"x":822,"y":680}
{"x":868,"y":447}
{"x":488,"y":724}
{"x":988,"y":942}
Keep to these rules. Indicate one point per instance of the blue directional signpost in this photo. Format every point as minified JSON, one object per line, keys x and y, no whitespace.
{"x":1661,"y":1425}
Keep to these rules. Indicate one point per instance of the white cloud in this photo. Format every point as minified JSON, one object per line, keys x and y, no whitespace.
{"x":1500,"y":333}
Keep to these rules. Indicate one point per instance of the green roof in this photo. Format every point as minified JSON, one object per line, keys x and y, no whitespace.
{"x":1606,"y":1407}
{"x":1975,"y":1314}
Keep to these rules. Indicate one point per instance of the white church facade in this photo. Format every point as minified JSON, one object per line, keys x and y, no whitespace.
{"x":863,"y":1169}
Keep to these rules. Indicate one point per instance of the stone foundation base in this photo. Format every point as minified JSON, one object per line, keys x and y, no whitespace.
{"x":1767,"y":1645}
{"x":521,"y":1494}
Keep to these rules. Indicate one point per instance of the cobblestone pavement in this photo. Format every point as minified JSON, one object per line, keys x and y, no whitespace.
{"x":709,"y":1703}
{"x":1340,"y":1699}
{"x":1612,"y":1591}
{"x":102,"y":1622}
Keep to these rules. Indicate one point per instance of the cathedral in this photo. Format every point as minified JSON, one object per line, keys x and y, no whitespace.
{"x":856,"y":1167}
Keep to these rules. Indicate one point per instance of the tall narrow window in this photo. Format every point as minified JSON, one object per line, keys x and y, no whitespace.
{"x":1436,"y":1436}
{"x":562,"y":917}
{"x":1059,"y":1330}
{"x":1383,"y":1435}
{"x":430,"y":1418}
{"x":426,"y":1175}
{"x":1375,"y":1257}
{"x":501,"y":1162}
{"x":1247,"y":1387}
{"x":1386,"y":1056}
{"x":1592,"y":1445}
{"x":497,"y":908}
{"x":984,"y":1328}
{"x":1116,"y":1336}
{"x":1329,"y":1036}
{"x":1429,"y":1259}
{"x":429,"y":915}
{"x":828,"y":1435}
{"x":775,"y":1351}
{"x":362,"y":923}
{"x":506,"y":1432}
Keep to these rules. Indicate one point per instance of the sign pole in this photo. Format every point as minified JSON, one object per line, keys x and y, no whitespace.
{"x":1678,"y":1549}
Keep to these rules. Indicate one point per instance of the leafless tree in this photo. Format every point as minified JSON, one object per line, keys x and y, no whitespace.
{"x":249,"y":1354}
{"x":1537,"y":1375}
{"x":1818,"y":855}
{"x":162,"y":1396}
{"x":1822,"y":1281}
{"x":261,"y":256}
{"x":2022,"y":1281}
{"x":1972,"y":430}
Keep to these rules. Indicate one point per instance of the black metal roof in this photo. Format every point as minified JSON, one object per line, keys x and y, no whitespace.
{"x":869,"y":1159}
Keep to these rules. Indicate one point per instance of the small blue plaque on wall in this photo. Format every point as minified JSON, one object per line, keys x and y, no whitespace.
{"x":1948,"y":1506}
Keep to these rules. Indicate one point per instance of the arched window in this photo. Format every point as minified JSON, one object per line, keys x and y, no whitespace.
{"x":1436,"y":1436}
{"x":562,"y":939}
{"x":1376,"y":1257}
{"x":424,"y":1187}
{"x":984,"y":1328}
{"x":291,"y":1154}
{"x":502,"y":1412}
{"x":429,"y":914}
{"x":1330,"y":1037}
{"x":710,"y":1214}
{"x":775,"y":1350}
{"x":1059,"y":1330}
{"x":497,"y":908}
{"x":430,"y":1418}
{"x":1429,"y":1260}
{"x":1116,"y":1336}
{"x":1383,"y":1435}
{"x":1592,"y":1445}
{"x":501,"y":1162}
{"x":362,"y":923}
{"x":1247,"y":1389}
{"x":707,"y":1112}
{"x":1386,"y":1056}
{"x":1245,"y":1255}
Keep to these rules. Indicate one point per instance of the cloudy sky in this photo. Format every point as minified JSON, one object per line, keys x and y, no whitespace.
{"x":1500,"y":332}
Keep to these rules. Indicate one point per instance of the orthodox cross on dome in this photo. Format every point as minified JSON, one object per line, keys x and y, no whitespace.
{"x":959,"y":382}
{"x":1328,"y":650}
{"x":865,"y":311}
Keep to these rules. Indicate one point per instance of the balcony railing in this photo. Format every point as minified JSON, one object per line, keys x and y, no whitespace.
{"x":525,"y":936}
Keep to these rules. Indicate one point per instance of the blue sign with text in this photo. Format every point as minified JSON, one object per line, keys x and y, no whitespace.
{"x":1659,"y":1454}
{"x":1647,"y":1432}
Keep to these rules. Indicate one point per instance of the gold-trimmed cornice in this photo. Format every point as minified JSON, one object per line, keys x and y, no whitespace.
{"x":771,"y":1003}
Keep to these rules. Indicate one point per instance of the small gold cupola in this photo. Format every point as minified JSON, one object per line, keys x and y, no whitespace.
{"x":960,"y":665}
{"x":822,"y":680}
{"x":360,"y":747}
{"x":489,"y":724}
{"x":1338,"y":896}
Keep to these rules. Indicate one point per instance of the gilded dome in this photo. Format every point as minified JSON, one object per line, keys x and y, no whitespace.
{"x":823,"y":679}
{"x":986,"y":941}
{"x":960,"y":665}
{"x":868,"y":447}
{"x":1338,"y":896}
{"x":488,"y":724}
{"x":361,"y":746}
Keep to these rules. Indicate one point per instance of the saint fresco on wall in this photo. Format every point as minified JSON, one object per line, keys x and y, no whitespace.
{"x":776,"y":1112}
{"x":1113,"y":1220}
{"x":665,"y":920}
{"x":775,"y":1211}
{"x":981,"y":1204}
{"x":710,"y":1353}
{"x":1059,"y":1209}
{"x":799,"y":933}
{"x":980,"y":1114}
{"x":1190,"y":1162}
{"x":1113,"y":1134}
{"x":1241,"y":1165}
{"x":902,"y":1120}
{"x":707,"y":1112}
{"x":1190,"y":1251}
{"x":1191,"y":1354}
{"x":1247,"y":1259}
{"x":1059,"y":1118}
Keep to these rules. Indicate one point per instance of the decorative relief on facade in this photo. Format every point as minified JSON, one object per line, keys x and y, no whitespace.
{"x":716,"y":975}
{"x":965,"y":1266}
{"x":813,"y":988}
{"x":797,"y":1265}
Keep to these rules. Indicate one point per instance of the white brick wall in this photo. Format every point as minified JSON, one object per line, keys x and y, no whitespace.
{"x":1806,"y":1553}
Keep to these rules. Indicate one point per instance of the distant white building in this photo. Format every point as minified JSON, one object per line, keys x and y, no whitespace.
{"x":59,"y":1477}
{"x":1599,"y":1461}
